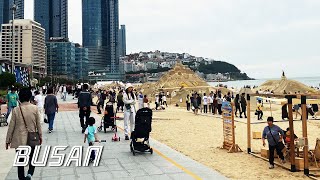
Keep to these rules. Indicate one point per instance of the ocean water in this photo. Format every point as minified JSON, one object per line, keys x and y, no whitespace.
{"x":310,"y":81}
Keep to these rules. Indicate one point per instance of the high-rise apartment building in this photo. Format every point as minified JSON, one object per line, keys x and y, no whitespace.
{"x":122,"y":41}
{"x":100,"y":28}
{"x":53,"y":16}
{"x":28,"y":42}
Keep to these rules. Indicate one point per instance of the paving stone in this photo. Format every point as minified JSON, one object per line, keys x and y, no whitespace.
{"x":130,"y":166}
{"x":50,"y":172}
{"x":120,"y":174}
{"x":137,"y":172}
{"x":103,"y":175}
{"x":83,"y":170}
{"x":100,"y":169}
{"x":153,"y":177}
{"x":115,"y":167}
{"x":180,"y":176}
{"x":69,"y":177}
{"x":86,"y":176}
{"x":67,"y":171}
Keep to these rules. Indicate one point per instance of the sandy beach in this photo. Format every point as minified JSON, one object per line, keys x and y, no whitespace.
{"x":200,"y":137}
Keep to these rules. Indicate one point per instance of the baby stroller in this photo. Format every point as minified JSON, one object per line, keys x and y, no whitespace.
{"x":3,"y":120}
{"x":142,"y":130}
{"x":108,"y":120}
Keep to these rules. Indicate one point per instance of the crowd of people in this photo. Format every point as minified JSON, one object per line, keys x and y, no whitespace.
{"x":212,"y":103}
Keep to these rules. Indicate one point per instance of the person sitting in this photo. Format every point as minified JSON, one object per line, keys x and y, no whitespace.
{"x":287,"y":137}
{"x":259,"y":110}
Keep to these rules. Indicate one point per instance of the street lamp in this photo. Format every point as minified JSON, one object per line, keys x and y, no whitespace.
{"x":14,"y":8}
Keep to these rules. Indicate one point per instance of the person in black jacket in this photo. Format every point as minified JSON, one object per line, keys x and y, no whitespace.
{"x":243,"y":103}
{"x":237,"y":105}
{"x":84,"y":104}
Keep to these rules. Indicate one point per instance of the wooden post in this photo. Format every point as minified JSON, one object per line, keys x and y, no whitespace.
{"x":305,"y":134}
{"x":248,"y":124}
{"x":233,"y":129}
{"x":292,"y":146}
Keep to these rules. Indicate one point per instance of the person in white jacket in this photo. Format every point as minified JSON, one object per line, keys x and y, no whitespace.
{"x":129,"y":109}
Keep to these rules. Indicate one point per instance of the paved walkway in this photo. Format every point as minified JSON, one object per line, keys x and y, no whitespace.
{"x":117,"y":161}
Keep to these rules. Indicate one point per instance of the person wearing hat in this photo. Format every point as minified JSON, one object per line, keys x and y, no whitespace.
{"x":274,"y":135}
{"x":129,"y":109}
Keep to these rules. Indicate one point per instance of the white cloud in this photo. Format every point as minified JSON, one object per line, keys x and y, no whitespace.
{"x":261,"y":37}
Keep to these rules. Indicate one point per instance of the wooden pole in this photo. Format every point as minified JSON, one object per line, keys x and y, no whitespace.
{"x":233,"y":128}
{"x":270,"y":108}
{"x":292,"y":146}
{"x":305,"y":134}
{"x":248,"y":124}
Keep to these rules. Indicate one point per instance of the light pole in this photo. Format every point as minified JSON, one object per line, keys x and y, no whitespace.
{"x":14,"y":8}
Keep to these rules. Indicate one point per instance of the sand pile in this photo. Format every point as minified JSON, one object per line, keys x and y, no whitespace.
{"x":179,"y":82}
{"x":180,"y":76}
{"x":290,"y":86}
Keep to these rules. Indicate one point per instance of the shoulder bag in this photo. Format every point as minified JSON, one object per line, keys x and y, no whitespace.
{"x":280,"y":144}
{"x":33,"y":138}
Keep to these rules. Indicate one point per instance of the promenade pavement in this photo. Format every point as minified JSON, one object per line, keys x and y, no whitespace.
{"x":117,"y":162}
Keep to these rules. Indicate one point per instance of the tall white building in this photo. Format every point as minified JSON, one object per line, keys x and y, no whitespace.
{"x":29,"y":45}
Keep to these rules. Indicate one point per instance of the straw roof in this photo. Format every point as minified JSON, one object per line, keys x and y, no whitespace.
{"x":289,"y":86}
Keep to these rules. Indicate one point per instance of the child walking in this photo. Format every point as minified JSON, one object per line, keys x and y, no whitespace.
{"x":91,"y":136}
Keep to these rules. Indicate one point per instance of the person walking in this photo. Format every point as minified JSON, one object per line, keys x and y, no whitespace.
{"x":215,"y":104}
{"x":164,"y":100}
{"x":219,"y":101}
{"x":210,"y":102}
{"x":296,"y":109}
{"x":188,"y":102}
{"x":84,"y":105}
{"x":51,"y":107}
{"x":64,"y":91}
{"x":274,"y":135}
{"x":146,"y":102}
{"x":259,"y":110}
{"x":39,"y":102}
{"x":24,"y":119}
{"x":130,"y":110}
{"x":237,"y":105}
{"x":12,"y":101}
{"x":157,"y":101}
{"x":205,"y":103}
{"x":243,"y":103}
{"x":199,"y":99}
{"x":101,"y":97}
{"x":120,"y":103}
{"x":195,"y":103}
{"x":91,"y":136}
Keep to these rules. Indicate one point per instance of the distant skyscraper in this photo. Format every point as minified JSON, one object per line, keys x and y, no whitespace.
{"x":53,"y":17}
{"x":6,"y":12}
{"x":100,"y":28}
{"x":122,"y":41}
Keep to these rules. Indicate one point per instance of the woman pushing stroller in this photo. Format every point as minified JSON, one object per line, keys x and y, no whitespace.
{"x":129,"y":109}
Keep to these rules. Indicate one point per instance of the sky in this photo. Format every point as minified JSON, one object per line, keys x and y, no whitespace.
{"x":260,"y":37}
